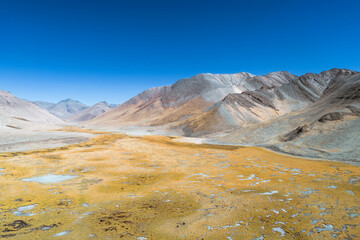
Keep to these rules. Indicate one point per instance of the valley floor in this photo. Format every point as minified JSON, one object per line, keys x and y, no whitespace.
{"x":155,"y":187}
{"x":12,"y":140}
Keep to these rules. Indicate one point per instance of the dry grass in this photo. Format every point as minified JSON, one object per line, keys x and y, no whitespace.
{"x":130,"y":187}
{"x":82,"y":130}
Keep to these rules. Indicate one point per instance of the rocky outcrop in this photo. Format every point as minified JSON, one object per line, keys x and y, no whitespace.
{"x":295,"y":133}
{"x":334,"y":116}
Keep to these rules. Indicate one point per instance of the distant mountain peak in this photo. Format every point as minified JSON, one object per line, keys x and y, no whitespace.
{"x":102,"y":102}
{"x":91,"y":112}
{"x":69,"y":100}
{"x":240,"y":98}
{"x":64,"y":109}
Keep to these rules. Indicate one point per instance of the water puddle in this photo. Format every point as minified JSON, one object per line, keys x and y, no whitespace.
{"x":237,"y":224}
{"x":264,"y":181}
{"x":324,"y":213}
{"x":269,"y":193}
{"x":61,"y":233}
{"x":50,"y":178}
{"x":198,"y":174}
{"x":20,"y":210}
{"x":280,"y":230}
{"x":2,"y":173}
{"x":315,"y":221}
{"x":308,"y":191}
{"x":329,"y":227}
{"x":251,"y":177}
{"x":352,"y":215}
{"x":45,"y":228}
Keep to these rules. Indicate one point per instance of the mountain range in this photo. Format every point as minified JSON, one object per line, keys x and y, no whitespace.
{"x":91,"y":112}
{"x":71,"y":110}
{"x":313,"y":115}
{"x":17,"y":113}
{"x":64,"y":109}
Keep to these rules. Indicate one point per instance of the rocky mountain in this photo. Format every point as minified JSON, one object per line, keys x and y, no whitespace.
{"x":327,"y":127}
{"x":275,"y":110}
{"x":112,"y":105}
{"x":44,"y":104}
{"x":91,"y":112}
{"x":252,"y":107}
{"x":16,"y":113}
{"x":64,"y":109}
{"x":187,"y":97}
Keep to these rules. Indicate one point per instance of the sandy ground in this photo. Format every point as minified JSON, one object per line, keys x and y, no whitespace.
{"x":12,"y":140}
{"x":25,"y":140}
{"x":47,"y":136}
{"x":136,"y":130}
{"x":191,"y":140}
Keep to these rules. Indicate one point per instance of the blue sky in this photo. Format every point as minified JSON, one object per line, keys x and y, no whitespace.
{"x":111,"y":50}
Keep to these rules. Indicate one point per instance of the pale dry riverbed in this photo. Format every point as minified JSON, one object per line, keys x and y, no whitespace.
{"x":116,"y":186}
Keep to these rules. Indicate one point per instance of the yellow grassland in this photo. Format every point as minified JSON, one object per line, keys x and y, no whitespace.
{"x":153,"y":187}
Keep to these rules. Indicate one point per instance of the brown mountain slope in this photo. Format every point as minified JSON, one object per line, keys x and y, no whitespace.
{"x":252,"y":107}
{"x":312,"y":115}
{"x":186,"y":98}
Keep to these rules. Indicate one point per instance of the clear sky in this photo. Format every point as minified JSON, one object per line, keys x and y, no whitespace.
{"x":111,"y":50}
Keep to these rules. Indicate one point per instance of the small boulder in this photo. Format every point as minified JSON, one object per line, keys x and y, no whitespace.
{"x":335,"y":116}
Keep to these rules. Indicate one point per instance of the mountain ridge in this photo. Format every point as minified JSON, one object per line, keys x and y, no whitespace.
{"x":209,"y":87}
{"x":91,"y":112}
{"x":213,"y":104}
{"x":64,"y":109}
{"x":17,"y":113}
